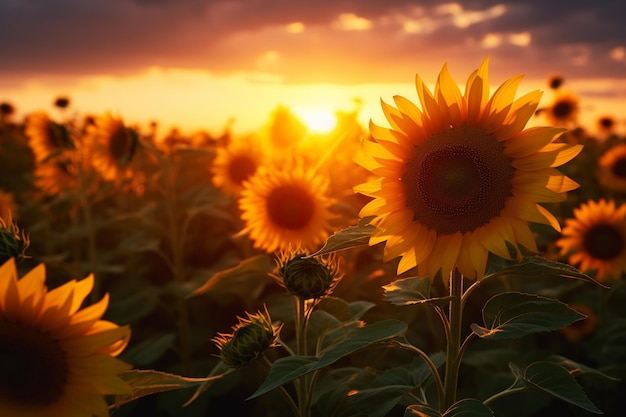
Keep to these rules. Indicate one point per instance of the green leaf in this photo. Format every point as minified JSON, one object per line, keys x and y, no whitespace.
{"x":290,"y":368}
{"x":147,"y":382}
{"x":576,"y":368}
{"x":378,"y":402}
{"x":412,"y":290}
{"x":511,"y":315}
{"x":468,"y":407}
{"x":555,"y":380}
{"x":259,"y":264}
{"x":388,"y":389}
{"x":348,"y":238}
{"x":538,"y":267}
{"x":421,"y":411}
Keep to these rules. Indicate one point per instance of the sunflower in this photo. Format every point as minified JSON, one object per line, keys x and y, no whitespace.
{"x":461,"y":177}
{"x":45,"y":137}
{"x":612,"y":168}
{"x":284,"y":208}
{"x":235,"y":162}
{"x":112,"y":146}
{"x":56,"y":359}
{"x":595,"y":239}
{"x":563,"y":110}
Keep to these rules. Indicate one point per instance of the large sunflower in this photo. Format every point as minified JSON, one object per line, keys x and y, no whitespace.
{"x":595,"y":239}
{"x":612,"y":168}
{"x":285,"y":208}
{"x":235,"y":162}
{"x":56,"y":360}
{"x":461,"y":177}
{"x":112,"y":146}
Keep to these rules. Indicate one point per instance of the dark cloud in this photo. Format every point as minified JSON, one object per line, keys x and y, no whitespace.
{"x":120,"y":36}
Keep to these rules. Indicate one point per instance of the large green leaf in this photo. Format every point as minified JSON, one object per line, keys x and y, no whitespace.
{"x":469,"y":407}
{"x":287,"y":369}
{"x":538,"y":267}
{"x":511,"y":315}
{"x":379,"y":401}
{"x":579,"y":369}
{"x":348,"y":238}
{"x":412,"y":290}
{"x":388,"y":389}
{"x":555,"y":380}
{"x":147,"y":382}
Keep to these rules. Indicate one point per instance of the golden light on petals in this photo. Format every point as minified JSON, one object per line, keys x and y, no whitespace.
{"x":595,"y":239}
{"x":56,"y":359}
{"x":285,"y":208}
{"x":458,"y":177}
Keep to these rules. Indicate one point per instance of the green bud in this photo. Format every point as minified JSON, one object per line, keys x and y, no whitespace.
{"x":307,"y":277}
{"x":251,"y":337}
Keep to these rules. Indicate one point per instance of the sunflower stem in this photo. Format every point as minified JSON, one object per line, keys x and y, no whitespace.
{"x":302,"y":389}
{"x":453,"y":350}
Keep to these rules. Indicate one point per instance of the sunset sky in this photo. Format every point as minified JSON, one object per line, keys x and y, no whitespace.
{"x":198,"y":64}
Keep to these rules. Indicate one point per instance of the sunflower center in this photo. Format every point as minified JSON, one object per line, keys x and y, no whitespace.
{"x":458,"y":180}
{"x":562,"y":109}
{"x":603,"y":241}
{"x":619,"y":168}
{"x":290,"y":207}
{"x":33,"y":367}
{"x":240,"y":168}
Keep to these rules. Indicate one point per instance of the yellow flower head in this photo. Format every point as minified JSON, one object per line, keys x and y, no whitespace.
{"x":56,"y":359}
{"x":460,"y":177}
{"x":285,"y":208}
{"x":595,"y":239}
{"x":112,"y":146}
{"x":612,"y":168}
{"x":45,"y":137}
{"x":234,"y":163}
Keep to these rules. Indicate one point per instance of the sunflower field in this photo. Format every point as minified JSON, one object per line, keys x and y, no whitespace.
{"x":451,"y":262}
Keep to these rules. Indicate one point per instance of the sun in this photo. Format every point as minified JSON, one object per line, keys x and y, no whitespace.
{"x":317,"y":120}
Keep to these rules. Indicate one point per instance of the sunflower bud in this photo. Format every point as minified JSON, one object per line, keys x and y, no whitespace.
{"x":251,"y":337}
{"x":307,"y":277}
{"x":13,"y":242}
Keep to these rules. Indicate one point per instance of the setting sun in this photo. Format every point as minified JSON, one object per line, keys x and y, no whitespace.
{"x":317,"y":120}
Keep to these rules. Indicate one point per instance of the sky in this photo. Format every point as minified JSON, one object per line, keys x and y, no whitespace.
{"x":199,"y":64}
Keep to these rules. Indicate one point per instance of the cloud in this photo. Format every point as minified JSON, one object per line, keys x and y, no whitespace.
{"x":328,"y":41}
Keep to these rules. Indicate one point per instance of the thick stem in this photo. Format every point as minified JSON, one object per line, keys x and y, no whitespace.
{"x":453,"y":353}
